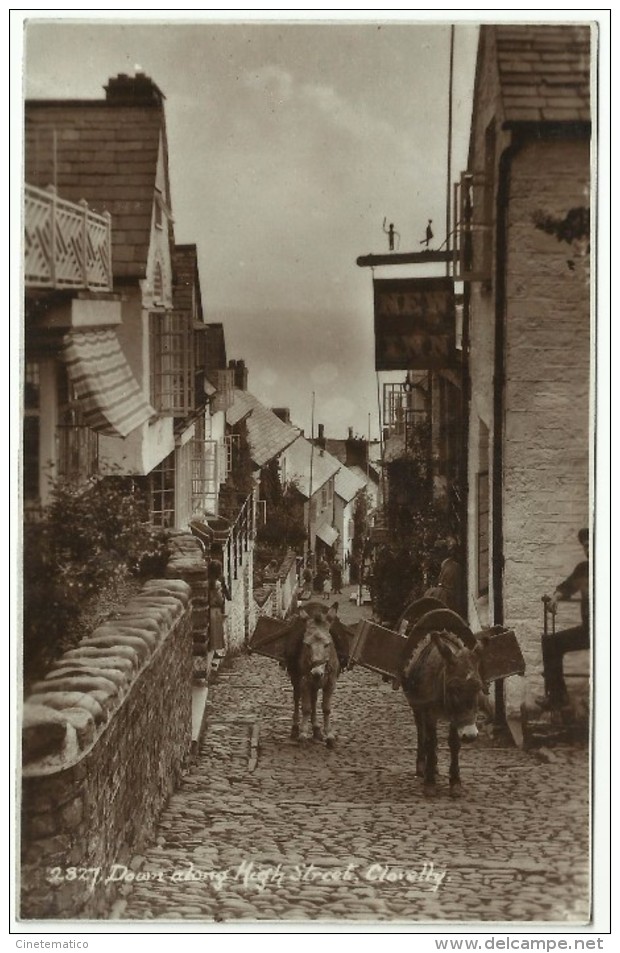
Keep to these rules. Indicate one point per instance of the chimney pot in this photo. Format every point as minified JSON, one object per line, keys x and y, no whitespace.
{"x":133,"y":89}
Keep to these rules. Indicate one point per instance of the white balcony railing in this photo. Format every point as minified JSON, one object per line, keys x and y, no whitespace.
{"x":65,"y":245}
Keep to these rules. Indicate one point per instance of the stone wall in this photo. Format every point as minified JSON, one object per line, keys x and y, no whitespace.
{"x":105,"y":738}
{"x":187,"y":562}
{"x":546,"y":445}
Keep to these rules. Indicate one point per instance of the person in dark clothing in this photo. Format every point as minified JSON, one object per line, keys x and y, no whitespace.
{"x":556,"y":644}
{"x":337,"y":577}
{"x":449,"y":588}
{"x":217,"y":594}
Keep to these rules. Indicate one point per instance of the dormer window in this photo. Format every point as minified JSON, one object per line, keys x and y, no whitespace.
{"x":158,"y":284}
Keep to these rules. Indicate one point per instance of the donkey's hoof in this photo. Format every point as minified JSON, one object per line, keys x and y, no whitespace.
{"x":456,"y":789}
{"x":430,"y":790}
{"x":330,"y":741}
{"x":294,"y":732}
{"x":317,"y":733}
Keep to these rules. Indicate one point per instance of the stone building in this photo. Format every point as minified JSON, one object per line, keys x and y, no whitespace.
{"x":523,"y":245}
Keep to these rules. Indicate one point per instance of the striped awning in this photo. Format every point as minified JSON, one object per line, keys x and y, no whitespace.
{"x":327,"y":533}
{"x":111,"y":400}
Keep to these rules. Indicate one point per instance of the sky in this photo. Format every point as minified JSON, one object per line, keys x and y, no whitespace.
{"x":289,"y":144}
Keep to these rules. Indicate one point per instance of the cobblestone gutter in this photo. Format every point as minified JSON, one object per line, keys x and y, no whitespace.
{"x":105,"y":738}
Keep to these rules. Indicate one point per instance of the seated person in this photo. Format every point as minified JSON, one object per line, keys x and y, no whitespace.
{"x":555,"y":645}
{"x":449,"y":588}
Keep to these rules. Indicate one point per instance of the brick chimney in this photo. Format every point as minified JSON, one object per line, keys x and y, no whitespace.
{"x":241,"y":374}
{"x":356,"y":451}
{"x":320,"y":440}
{"x":133,"y":90}
{"x":283,"y":413}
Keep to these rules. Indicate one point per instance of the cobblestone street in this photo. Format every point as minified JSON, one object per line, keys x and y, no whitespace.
{"x":301,"y":833}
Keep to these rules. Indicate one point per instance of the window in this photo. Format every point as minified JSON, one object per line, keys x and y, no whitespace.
{"x":232,"y":445}
{"x":77,"y":446}
{"x":158,"y":284}
{"x":483,"y":509}
{"x":31,"y":452}
{"x":161,"y":483}
{"x":205,"y":483}
{"x":172,"y":362}
{"x":405,"y":405}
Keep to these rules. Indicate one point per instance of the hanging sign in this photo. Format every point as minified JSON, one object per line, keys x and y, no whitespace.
{"x":414,"y":324}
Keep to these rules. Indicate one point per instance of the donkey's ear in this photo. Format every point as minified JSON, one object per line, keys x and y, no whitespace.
{"x":480,"y":646}
{"x":332,"y":612}
{"x":444,"y":650}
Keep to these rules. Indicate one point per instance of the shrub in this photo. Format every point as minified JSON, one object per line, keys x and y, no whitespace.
{"x":406,"y":565}
{"x":284,"y":527}
{"x":88,"y":541}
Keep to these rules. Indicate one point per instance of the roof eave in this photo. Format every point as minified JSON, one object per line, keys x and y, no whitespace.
{"x":550,"y":128}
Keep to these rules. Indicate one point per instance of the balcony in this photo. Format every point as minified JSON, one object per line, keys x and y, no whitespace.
{"x":473,"y":235}
{"x":66,"y":246}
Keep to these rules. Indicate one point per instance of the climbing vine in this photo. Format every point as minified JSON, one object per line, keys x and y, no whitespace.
{"x":573,"y":229}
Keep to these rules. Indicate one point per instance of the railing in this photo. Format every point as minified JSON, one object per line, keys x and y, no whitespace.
{"x":241,"y":537}
{"x":78,"y":453}
{"x":473,"y":234}
{"x":65,"y":245}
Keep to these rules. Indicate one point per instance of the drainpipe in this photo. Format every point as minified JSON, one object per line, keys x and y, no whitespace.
{"x":499,"y":384}
{"x":466,"y":410}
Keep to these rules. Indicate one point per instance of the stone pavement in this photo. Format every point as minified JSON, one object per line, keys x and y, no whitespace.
{"x":265,"y":829}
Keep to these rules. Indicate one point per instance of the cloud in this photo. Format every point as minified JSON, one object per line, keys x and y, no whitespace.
{"x":324,"y":374}
{"x":339,"y":112}
{"x":270,"y":79}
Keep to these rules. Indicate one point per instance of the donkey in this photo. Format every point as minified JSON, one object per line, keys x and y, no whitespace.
{"x":313,"y":664}
{"x":442,"y":680}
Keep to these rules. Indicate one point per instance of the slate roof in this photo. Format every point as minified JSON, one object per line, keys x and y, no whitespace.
{"x":103,"y":151}
{"x":268,"y":436}
{"x":301,"y":461}
{"x":347,"y":484}
{"x":544,"y":71}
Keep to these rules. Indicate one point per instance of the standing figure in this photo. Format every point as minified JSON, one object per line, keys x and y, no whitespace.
{"x":217,"y":594}
{"x":322,"y":575}
{"x":391,"y":232}
{"x":337,"y":577}
{"x":429,"y":234}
